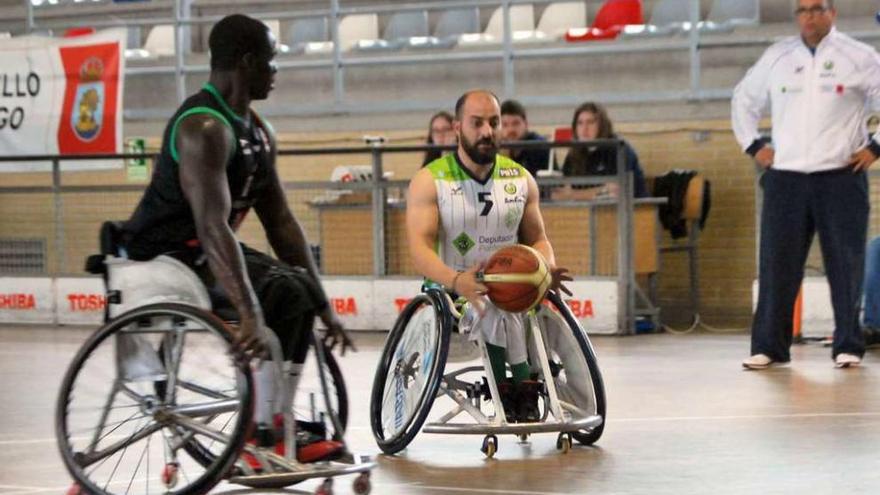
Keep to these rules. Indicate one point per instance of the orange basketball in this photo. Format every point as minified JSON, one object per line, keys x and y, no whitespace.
{"x":517,"y":277}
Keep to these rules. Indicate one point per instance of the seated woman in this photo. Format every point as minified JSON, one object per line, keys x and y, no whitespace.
{"x":590,"y":121}
{"x":439,"y":132}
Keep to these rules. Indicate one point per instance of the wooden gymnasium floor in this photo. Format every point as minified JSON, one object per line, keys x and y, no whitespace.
{"x":683,"y":418}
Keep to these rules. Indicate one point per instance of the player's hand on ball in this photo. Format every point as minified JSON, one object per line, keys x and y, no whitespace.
{"x":469,"y":286}
{"x":560,"y":275}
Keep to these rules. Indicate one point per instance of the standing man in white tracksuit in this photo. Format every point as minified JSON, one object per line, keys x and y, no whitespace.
{"x":820,"y":86}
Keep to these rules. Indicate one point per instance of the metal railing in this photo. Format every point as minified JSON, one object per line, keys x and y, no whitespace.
{"x":112,"y":202}
{"x":508,"y":52}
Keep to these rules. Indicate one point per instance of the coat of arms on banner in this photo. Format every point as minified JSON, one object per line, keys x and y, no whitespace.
{"x":89,"y":117}
{"x":87,"y":113}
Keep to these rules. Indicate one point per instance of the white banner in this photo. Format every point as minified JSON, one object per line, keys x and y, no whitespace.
{"x":27,"y":300}
{"x":61,"y":96}
{"x":361,"y":303}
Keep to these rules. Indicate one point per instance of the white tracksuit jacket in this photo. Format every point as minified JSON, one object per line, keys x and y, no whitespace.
{"x":819,"y":103}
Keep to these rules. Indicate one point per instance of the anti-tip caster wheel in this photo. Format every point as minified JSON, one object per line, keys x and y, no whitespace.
{"x":361,"y":485}
{"x":563,"y":442}
{"x":326,"y":487}
{"x":490,"y":446}
{"x":74,"y":489}
{"x":170,"y":474}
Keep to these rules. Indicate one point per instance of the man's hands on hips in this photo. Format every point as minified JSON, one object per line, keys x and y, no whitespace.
{"x":764,"y":157}
{"x":861,"y":160}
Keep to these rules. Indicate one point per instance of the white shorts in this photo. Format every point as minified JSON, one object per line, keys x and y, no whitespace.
{"x":498,"y":328}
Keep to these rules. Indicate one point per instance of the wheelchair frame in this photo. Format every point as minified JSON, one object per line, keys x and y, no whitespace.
{"x":467,"y":396}
{"x":278,"y":471}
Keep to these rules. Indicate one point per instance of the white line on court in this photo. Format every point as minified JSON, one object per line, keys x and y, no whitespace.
{"x":610,"y":420}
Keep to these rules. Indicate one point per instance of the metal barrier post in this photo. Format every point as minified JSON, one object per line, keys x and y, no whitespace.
{"x":378,"y":213}
{"x":338,"y":83}
{"x":694,"y":48}
{"x":29,"y":20}
{"x":179,"y":76}
{"x":60,"y":256}
{"x":625,"y":277}
{"x":507,"y":57}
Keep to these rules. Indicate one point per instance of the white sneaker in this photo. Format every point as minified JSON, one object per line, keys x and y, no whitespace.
{"x":844,"y":360}
{"x":757,"y":362}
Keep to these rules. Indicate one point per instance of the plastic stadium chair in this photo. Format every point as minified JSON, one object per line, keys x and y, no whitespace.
{"x":522,"y":27}
{"x":611,"y":20}
{"x":560,"y":16}
{"x":728,"y":14}
{"x":358,"y":27}
{"x":668,"y":17}
{"x":160,"y":41}
{"x":309,"y":35}
{"x":452,"y":25}
{"x":404,"y":29}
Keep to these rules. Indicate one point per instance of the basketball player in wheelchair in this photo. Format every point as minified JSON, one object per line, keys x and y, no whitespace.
{"x":217,"y":161}
{"x":461,"y":209}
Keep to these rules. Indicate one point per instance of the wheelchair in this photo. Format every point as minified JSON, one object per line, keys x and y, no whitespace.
{"x":412,"y":373}
{"x":154,"y":402}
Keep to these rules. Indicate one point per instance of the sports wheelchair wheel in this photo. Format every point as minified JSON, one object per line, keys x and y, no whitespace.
{"x":309,"y":405}
{"x":574,"y":366}
{"x":125,"y":417}
{"x":410,"y":370}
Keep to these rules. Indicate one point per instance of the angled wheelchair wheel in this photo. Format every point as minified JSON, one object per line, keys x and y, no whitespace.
{"x":309,"y":404}
{"x":410,"y":370}
{"x":574,"y":367}
{"x":143,"y":389}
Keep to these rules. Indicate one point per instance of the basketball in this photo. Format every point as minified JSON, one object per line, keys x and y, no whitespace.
{"x":517,"y":277}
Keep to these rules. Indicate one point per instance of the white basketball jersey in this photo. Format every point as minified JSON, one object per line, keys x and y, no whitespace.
{"x":476,"y":219}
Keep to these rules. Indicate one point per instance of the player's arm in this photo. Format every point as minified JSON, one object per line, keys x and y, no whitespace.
{"x":532,"y":233}
{"x":288,"y":240}
{"x":750,"y":97}
{"x":863,"y":158}
{"x":422,"y":228}
{"x":204,"y":146}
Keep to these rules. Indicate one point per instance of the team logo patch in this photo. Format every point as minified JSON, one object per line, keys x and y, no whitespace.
{"x":509,"y":172}
{"x":828,"y":65}
{"x":510,"y":188}
{"x":88,"y":104}
{"x":463,"y":243}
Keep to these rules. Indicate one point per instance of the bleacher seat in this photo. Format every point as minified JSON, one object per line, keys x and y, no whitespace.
{"x":309,"y":35}
{"x":668,"y":17}
{"x":522,"y":27}
{"x":725,"y":15}
{"x":613,"y":17}
{"x":558,"y":17}
{"x":357,"y":27}
{"x":160,"y":41}
{"x":452,"y":25}
{"x":403,"y":29}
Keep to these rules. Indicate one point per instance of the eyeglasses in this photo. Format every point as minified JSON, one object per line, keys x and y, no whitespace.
{"x":814,"y":10}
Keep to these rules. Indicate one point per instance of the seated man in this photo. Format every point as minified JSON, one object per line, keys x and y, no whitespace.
{"x":217,"y":161}
{"x":515,"y":127}
{"x":460,"y":209}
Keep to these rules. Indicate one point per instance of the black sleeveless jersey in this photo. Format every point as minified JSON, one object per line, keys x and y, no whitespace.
{"x":163,"y":220}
